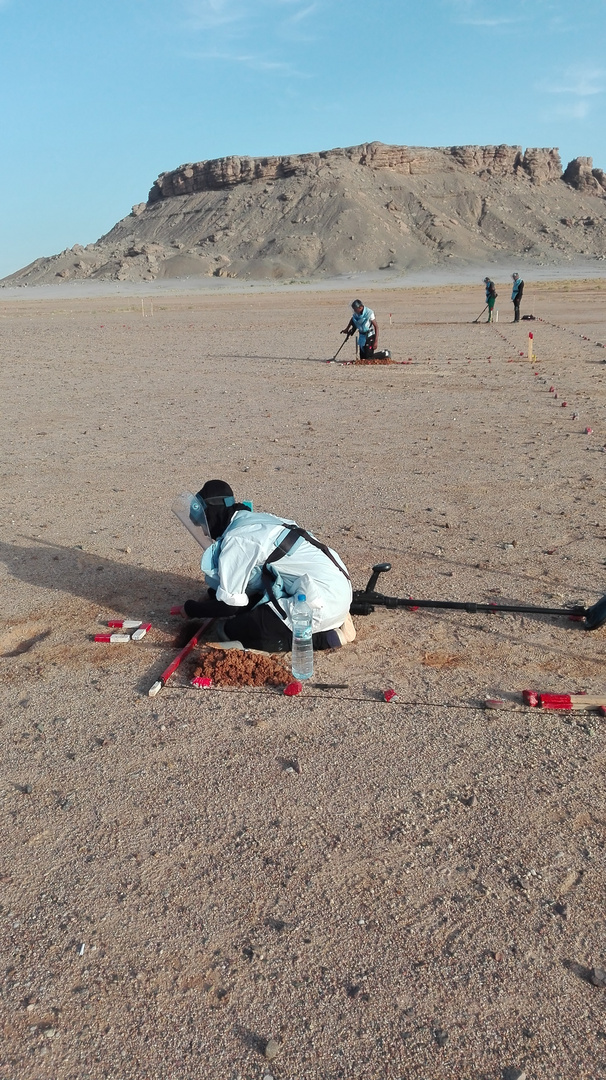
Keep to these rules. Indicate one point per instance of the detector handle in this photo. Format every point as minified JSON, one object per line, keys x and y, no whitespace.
{"x":378,"y":568}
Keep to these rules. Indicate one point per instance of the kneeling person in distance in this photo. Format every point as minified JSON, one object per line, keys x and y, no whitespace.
{"x":363,"y":320}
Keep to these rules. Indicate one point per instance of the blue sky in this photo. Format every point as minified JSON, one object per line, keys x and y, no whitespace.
{"x":99,"y":96}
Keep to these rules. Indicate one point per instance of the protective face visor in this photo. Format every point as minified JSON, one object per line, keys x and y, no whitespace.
{"x":191,"y":512}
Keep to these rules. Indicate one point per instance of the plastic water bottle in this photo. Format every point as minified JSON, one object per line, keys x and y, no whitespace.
{"x":302,"y":665}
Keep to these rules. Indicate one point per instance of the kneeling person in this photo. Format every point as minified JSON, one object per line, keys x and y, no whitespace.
{"x":254,"y":570}
{"x":363,"y":320}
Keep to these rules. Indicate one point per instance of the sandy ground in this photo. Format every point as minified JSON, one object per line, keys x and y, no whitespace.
{"x":412,"y":890}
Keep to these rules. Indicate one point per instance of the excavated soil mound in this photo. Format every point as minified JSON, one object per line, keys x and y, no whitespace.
{"x":378,"y":362}
{"x":232,"y":667}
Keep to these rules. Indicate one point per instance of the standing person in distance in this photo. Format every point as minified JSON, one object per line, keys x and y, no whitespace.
{"x":491,"y":295}
{"x":516,"y":295}
{"x":363,"y":320}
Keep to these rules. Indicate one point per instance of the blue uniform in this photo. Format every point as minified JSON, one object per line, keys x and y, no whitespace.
{"x":363,"y":324}
{"x":516,"y":296}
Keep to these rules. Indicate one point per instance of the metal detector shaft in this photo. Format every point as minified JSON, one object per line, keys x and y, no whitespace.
{"x":365,"y":600}
{"x":480,"y":315}
{"x":341,"y":346}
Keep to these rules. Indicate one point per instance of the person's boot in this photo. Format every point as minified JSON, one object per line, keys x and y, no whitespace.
{"x":223,"y":641}
{"x":341,"y":635}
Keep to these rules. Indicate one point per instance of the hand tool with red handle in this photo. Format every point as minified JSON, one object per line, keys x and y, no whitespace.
{"x":172,"y":667}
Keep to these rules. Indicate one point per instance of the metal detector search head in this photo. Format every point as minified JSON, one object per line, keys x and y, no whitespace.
{"x":595,"y":616}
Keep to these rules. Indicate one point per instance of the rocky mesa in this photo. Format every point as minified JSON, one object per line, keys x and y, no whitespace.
{"x":363,"y":208}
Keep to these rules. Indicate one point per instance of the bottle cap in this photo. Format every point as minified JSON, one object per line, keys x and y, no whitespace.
{"x":301,"y":596}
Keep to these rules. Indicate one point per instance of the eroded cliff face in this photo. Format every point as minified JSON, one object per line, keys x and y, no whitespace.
{"x":364,"y":208}
{"x":580,"y":174}
{"x":537,"y":165}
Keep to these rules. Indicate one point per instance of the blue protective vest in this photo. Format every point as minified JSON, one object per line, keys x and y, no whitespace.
{"x":363,"y":324}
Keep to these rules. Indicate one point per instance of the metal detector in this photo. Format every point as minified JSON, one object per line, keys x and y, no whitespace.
{"x":365,"y":601}
{"x":480,"y":315}
{"x":341,"y":346}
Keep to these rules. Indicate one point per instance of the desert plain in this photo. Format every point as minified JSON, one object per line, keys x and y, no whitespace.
{"x":232,"y":884}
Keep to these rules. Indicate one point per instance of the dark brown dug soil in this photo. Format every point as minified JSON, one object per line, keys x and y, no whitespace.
{"x":235,"y":668}
{"x":383,"y":361}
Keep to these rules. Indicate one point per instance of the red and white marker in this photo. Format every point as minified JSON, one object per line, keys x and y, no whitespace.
{"x":172,"y":667}
{"x":563,"y":701}
{"x":140,"y":630}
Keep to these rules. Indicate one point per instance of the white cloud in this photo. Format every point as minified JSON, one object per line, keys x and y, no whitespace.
{"x":549,"y":16}
{"x":574,"y":90}
{"x":303,"y":13}
{"x":262,"y":26}
{"x":251,"y":60}
{"x":209,"y":14}
{"x":579,"y":81}
{"x":473,"y":13}
{"x":212,"y":14}
{"x":577,"y":111}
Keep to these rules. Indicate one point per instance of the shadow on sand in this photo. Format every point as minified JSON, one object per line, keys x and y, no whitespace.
{"x":117,"y":586}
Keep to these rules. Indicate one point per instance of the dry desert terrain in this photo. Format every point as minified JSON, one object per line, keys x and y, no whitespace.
{"x":232,"y":884}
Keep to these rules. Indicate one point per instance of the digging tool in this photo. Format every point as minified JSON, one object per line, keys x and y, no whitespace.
{"x":365,"y":600}
{"x":480,"y":315}
{"x":341,"y":346}
{"x":172,"y":667}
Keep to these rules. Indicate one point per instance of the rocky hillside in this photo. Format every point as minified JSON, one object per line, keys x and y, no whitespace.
{"x":364,"y":208}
